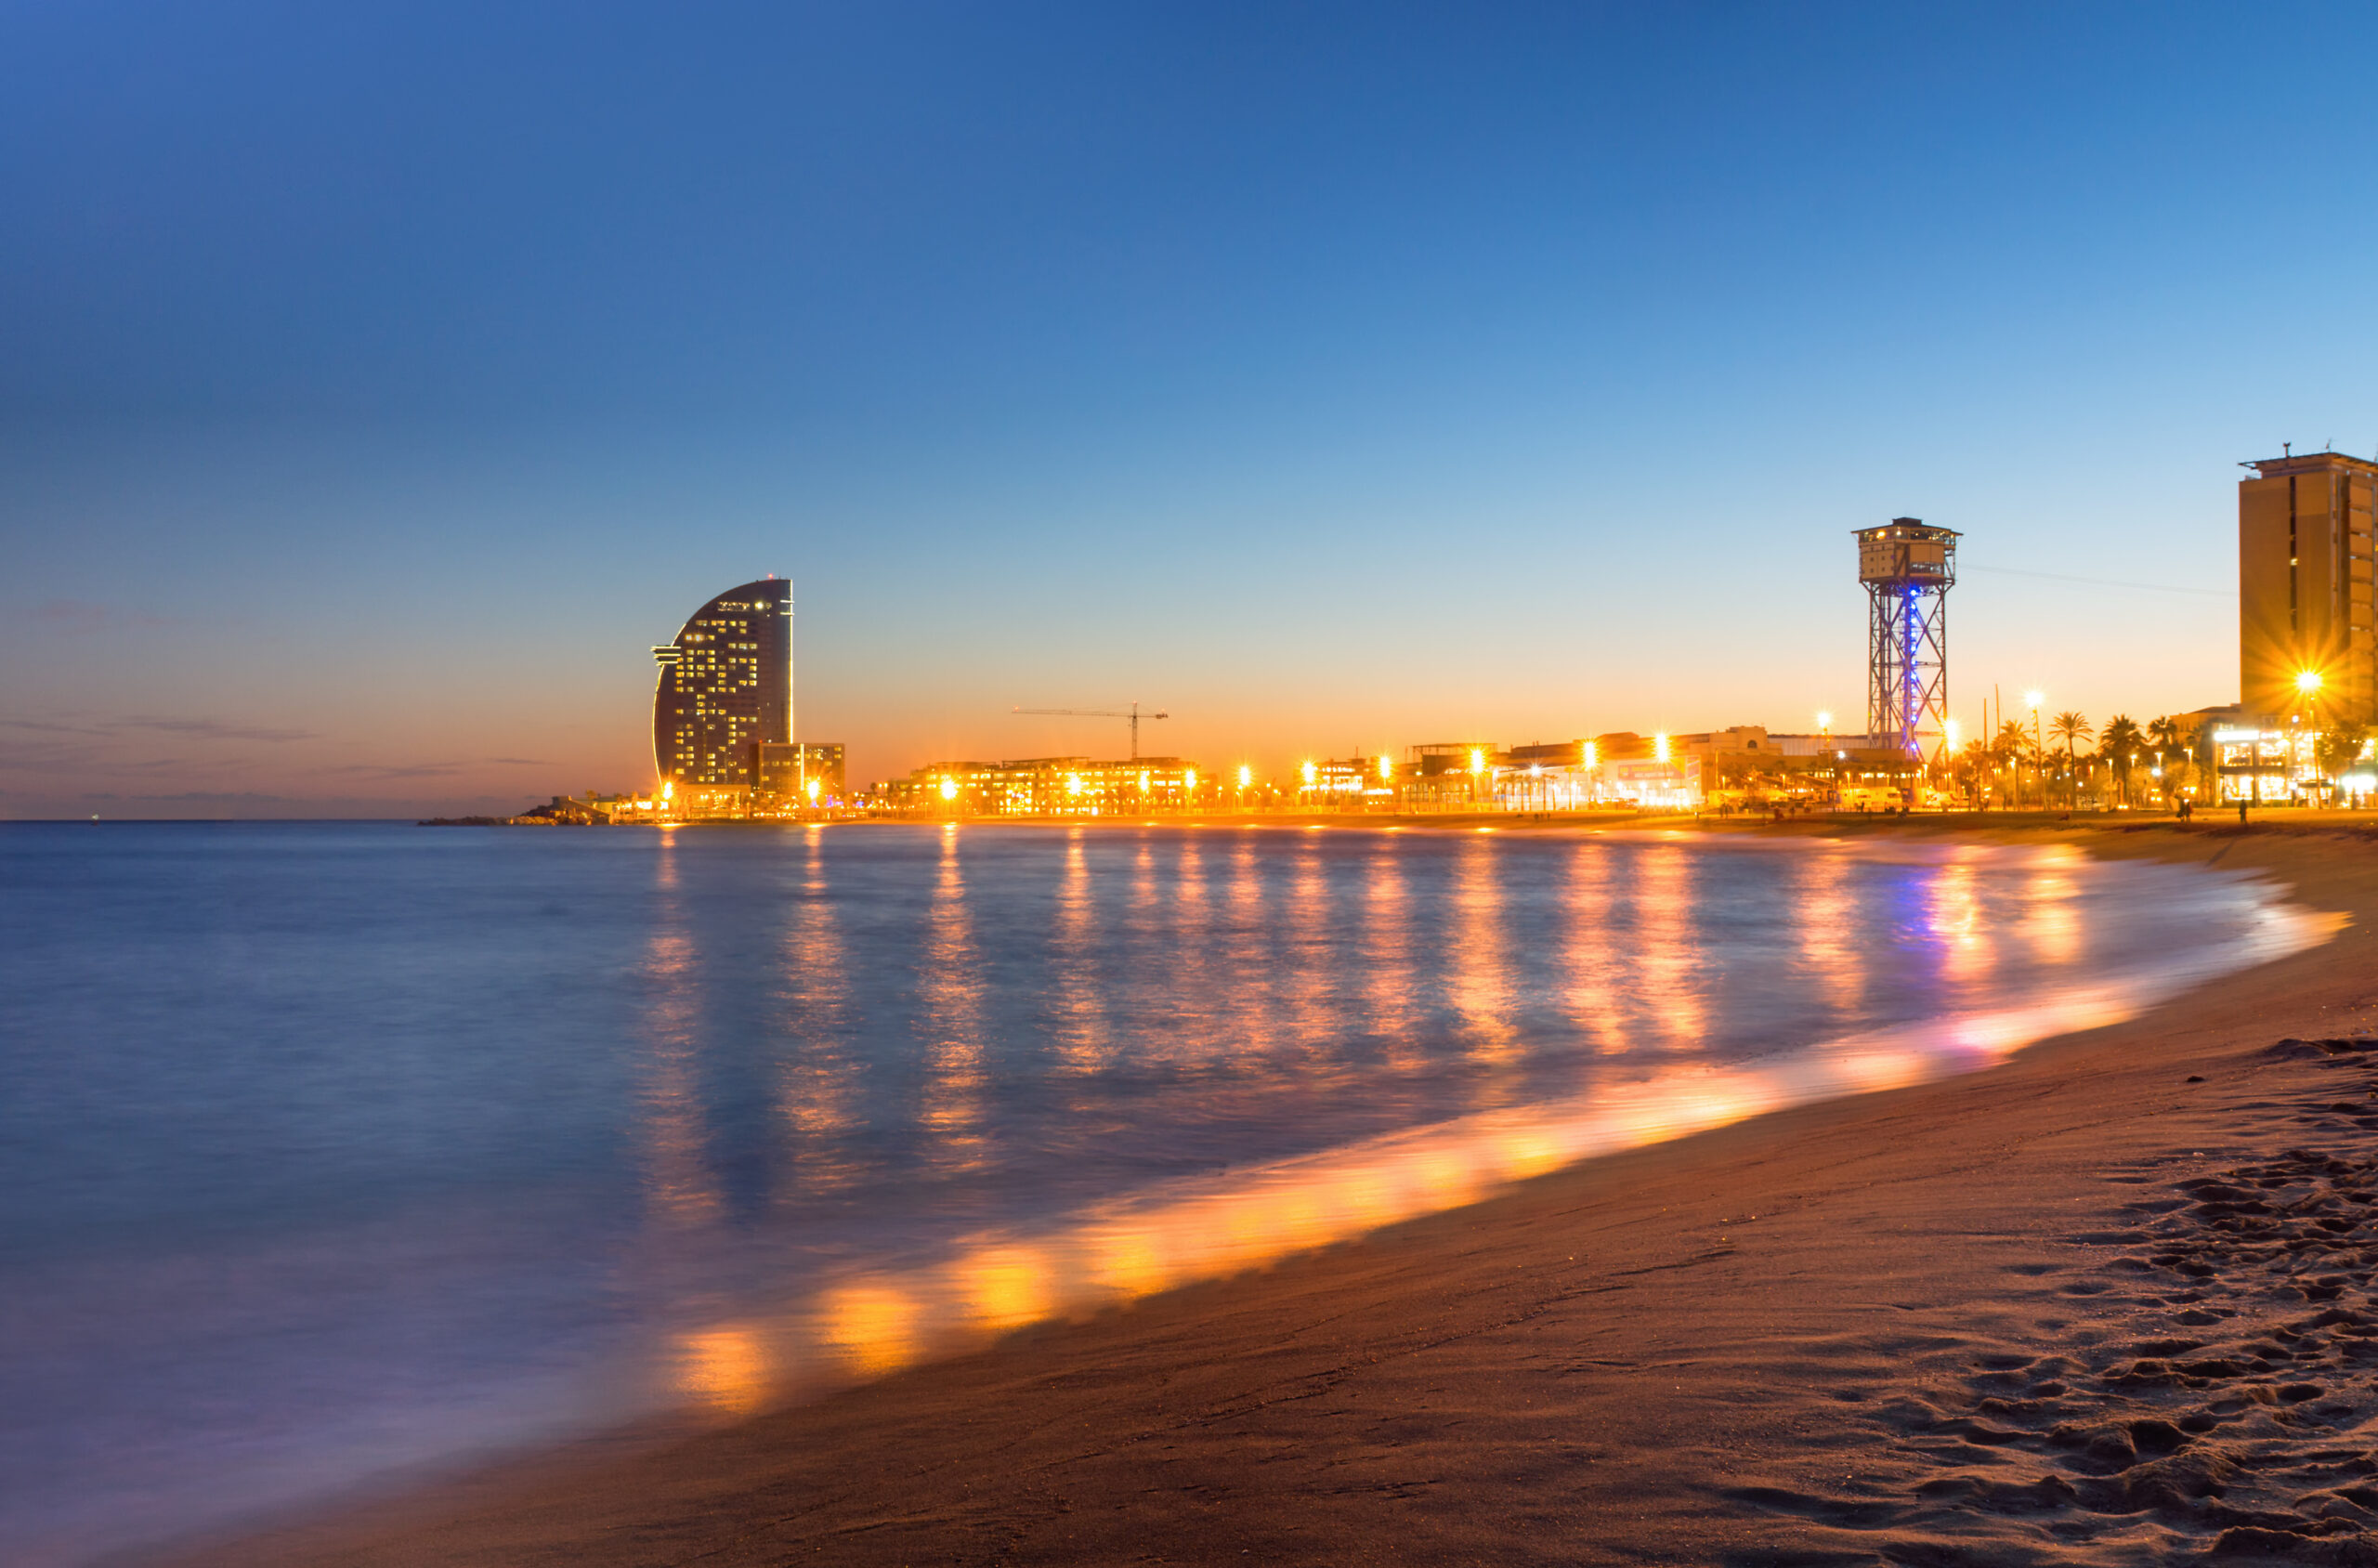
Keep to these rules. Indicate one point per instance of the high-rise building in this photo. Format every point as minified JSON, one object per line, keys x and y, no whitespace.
{"x":726,"y":686}
{"x":2304,"y":590}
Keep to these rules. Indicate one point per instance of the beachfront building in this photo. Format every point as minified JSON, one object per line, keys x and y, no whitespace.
{"x":597,"y":809}
{"x":1617,"y":769}
{"x":725,"y":688}
{"x":1045,"y":787}
{"x":2274,"y":764}
{"x":795,"y":776}
{"x":2306,"y":654}
{"x":1448,"y":776}
{"x":1752,"y":767}
{"x":1346,"y":784}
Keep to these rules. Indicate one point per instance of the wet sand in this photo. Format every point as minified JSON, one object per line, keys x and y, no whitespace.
{"x":2108,"y":1303}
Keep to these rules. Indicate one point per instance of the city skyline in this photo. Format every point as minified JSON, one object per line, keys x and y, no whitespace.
{"x":1333,"y":382}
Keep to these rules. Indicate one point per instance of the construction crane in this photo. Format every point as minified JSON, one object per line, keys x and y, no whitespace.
{"x":1133,"y":713}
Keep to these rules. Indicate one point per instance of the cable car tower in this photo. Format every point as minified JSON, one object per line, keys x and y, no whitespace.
{"x":1908,"y":570}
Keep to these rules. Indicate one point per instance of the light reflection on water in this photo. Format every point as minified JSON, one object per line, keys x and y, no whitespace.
{"x":718,"y":1116}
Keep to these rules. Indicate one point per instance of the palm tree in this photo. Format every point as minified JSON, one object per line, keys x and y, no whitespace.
{"x":2169,"y":735}
{"x":2071,"y":728}
{"x":2339,"y":747}
{"x":2119,"y":744}
{"x":2013,"y":741}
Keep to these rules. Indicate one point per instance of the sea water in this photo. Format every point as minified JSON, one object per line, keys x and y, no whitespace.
{"x":332,"y":1149}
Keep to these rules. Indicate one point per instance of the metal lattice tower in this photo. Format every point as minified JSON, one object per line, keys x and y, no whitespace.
{"x":1908,"y":570}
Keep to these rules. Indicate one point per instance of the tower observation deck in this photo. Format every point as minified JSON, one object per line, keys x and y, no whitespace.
{"x":1908,"y":570}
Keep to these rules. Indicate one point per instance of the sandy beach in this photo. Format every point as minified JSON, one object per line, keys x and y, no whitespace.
{"x":2108,"y":1303}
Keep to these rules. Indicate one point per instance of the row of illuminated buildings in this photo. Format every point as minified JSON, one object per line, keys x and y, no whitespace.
{"x":723,"y":745}
{"x":1621,"y":770}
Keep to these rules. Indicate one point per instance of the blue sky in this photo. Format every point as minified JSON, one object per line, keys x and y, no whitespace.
{"x":376,"y":383}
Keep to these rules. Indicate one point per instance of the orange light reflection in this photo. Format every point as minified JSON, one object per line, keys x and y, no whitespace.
{"x":1209,"y":1226}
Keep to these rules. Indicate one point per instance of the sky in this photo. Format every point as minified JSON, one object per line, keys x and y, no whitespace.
{"x":379,"y":382}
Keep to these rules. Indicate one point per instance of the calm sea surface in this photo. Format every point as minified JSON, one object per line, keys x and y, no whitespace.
{"x":330,"y":1148}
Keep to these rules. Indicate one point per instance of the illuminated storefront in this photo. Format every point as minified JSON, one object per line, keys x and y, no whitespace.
{"x":2265,"y":767}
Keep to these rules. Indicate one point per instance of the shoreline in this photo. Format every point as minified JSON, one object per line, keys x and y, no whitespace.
{"x":1486,"y":1382}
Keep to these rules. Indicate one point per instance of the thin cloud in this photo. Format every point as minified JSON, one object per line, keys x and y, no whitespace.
{"x":198,"y":797}
{"x":82,"y":615}
{"x":215,"y":729}
{"x":383,"y":771}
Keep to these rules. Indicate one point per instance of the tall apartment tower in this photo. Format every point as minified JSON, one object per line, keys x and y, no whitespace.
{"x":726,"y":686}
{"x":2304,"y":588}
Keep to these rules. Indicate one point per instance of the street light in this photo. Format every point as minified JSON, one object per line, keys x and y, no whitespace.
{"x":2307,"y":681}
{"x":2033,"y":700}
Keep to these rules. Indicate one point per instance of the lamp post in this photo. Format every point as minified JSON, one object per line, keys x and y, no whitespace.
{"x":2033,"y":700}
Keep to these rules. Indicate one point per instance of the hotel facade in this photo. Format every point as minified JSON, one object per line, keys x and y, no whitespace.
{"x":2304,"y":569}
{"x":2308,"y":639}
{"x":723,"y":714}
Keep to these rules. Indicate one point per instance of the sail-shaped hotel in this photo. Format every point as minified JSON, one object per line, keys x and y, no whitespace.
{"x":722,"y":710}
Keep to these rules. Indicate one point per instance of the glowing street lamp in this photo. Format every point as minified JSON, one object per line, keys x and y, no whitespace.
{"x":1245,"y":776}
{"x":2033,"y":700}
{"x":1587,"y":755}
{"x":1660,"y":746}
{"x":948,"y":788}
{"x":811,"y":787}
{"x":2307,"y":681}
{"x":1311,"y":773}
{"x":1386,"y":767}
{"x":1824,"y":723}
{"x":1477,"y":759}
